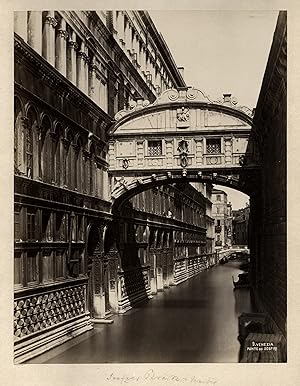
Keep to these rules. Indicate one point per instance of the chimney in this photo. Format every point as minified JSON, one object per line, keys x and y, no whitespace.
{"x":227,"y":99}
{"x":181,"y":71}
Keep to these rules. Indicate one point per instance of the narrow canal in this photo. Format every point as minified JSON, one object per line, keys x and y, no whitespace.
{"x":197,"y":321}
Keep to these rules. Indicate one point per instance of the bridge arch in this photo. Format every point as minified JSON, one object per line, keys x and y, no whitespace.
{"x":126,"y":189}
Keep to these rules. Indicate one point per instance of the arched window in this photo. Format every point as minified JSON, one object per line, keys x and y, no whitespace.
{"x":46,"y":151}
{"x":57,"y":156}
{"x":31,"y":167}
{"x":18,"y":139}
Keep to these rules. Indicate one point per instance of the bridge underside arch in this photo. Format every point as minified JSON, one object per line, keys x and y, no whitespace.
{"x":126,"y":188}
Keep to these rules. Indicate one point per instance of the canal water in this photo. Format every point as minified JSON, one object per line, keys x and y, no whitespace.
{"x":195,"y":322}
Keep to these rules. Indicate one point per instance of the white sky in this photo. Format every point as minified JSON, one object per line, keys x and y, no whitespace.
{"x":221,"y":52}
{"x":237,"y":199}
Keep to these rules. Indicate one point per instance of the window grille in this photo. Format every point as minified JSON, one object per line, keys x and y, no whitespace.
{"x":154,"y":148}
{"x":213,"y":146}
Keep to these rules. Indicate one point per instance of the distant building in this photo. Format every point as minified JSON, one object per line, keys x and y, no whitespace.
{"x":240,"y":223}
{"x":221,"y":212}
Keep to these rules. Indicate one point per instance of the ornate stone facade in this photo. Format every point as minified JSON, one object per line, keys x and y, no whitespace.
{"x":73,"y":71}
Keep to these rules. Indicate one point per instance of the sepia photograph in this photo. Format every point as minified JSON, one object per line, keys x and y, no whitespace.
{"x":146,"y":189}
{"x":150,"y":186}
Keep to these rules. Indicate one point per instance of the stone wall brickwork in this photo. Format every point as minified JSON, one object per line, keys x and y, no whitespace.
{"x":268,"y":203}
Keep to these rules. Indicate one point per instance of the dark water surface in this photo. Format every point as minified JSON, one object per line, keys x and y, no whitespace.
{"x":197,"y":321}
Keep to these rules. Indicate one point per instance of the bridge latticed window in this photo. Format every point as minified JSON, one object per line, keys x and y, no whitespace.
{"x":213,"y":146}
{"x":154,"y":148}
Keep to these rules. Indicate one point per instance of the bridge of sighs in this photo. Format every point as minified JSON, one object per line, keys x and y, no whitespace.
{"x":183,"y":135}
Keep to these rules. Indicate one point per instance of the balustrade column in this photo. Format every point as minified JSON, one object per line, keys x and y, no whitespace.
{"x":48,"y":49}
{"x":72,"y":46}
{"x":61,"y":48}
{"x":34,"y":31}
{"x":20,"y":24}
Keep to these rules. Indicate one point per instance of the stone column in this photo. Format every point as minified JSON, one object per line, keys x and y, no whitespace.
{"x":135,"y":45}
{"x":61,"y":49}
{"x":120,"y":27}
{"x":81,"y":62}
{"x":48,"y":49}
{"x":99,"y":181}
{"x":34,"y":31}
{"x":92,"y":81}
{"x":71,"y":58}
{"x":128,"y":37}
{"x":95,"y":179}
{"x":98,"y":290}
{"x":20,"y":24}
{"x":114,"y":20}
{"x":137,"y":48}
{"x":103,"y":96}
{"x":105,"y":184}
{"x":63,"y":157}
{"x":86,"y":70}
{"x":97,"y":88}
